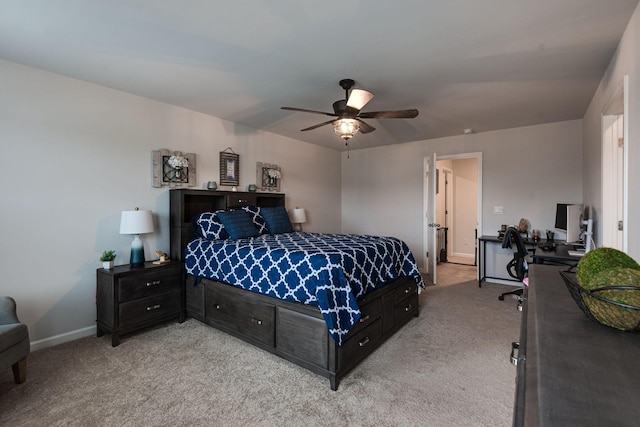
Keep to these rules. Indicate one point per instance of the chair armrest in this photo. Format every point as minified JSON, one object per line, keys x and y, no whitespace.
{"x":8,"y":313}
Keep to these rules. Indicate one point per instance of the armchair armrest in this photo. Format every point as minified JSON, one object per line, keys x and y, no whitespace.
{"x":8,"y":313}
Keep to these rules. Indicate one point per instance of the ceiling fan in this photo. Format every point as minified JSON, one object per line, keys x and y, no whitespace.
{"x":349,"y":112}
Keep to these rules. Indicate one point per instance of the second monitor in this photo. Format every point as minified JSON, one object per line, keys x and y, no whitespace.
{"x":569,"y":220}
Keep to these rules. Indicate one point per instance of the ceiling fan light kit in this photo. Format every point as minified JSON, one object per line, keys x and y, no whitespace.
{"x":349,"y":115}
{"x":346,"y":128}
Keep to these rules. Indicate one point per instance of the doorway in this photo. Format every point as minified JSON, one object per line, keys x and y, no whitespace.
{"x":452,"y":209}
{"x":457,"y":201}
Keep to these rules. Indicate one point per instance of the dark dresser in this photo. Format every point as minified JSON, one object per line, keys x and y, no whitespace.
{"x":572,"y":371}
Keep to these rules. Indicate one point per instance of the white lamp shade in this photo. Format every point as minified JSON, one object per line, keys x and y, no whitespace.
{"x":136,"y":222}
{"x":298,"y":216}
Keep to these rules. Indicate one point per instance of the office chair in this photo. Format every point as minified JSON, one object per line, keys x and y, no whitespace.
{"x":517,"y":267}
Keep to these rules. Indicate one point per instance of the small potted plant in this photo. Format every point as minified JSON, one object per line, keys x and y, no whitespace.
{"x":107,"y":258}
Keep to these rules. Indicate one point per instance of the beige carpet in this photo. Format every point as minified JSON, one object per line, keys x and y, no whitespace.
{"x":448,"y":367}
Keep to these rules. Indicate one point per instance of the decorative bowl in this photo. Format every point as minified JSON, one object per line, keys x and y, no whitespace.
{"x":597,"y":305}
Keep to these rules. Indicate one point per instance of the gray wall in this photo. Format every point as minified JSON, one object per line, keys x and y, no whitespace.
{"x":626,"y":61}
{"x":525,"y":170}
{"x":76,"y":154}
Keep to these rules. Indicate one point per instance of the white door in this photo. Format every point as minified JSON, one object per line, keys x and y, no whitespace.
{"x":431,"y":226}
{"x":614,"y":173}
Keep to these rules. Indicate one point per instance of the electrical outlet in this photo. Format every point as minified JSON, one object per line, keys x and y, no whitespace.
{"x":466,"y":242}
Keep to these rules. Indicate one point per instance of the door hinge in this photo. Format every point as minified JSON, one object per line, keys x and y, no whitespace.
{"x":620,"y":225}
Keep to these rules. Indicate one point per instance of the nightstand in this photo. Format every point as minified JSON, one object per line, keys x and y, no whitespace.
{"x":131,"y":298}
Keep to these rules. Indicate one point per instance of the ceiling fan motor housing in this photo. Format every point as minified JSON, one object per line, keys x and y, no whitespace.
{"x":347,"y":84}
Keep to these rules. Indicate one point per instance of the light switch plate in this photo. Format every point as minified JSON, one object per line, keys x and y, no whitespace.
{"x":498,"y":210}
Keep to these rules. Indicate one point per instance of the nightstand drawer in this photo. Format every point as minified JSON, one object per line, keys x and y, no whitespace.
{"x":143,"y":309}
{"x":147,"y":284}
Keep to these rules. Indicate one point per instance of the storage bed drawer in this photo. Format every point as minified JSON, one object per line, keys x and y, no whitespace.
{"x":232,"y":310}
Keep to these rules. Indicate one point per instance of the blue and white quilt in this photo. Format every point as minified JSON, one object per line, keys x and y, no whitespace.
{"x":329,"y":271}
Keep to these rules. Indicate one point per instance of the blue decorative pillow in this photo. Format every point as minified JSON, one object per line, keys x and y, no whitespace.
{"x":277,"y":220}
{"x":208,"y":226}
{"x":238,"y":224}
{"x":257,"y":218}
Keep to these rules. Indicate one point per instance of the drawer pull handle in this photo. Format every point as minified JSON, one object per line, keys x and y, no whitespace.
{"x":256,"y":321}
{"x":217,"y":306}
{"x":242,"y":200}
{"x":409,"y":307}
{"x":364,"y":319}
{"x":155,"y":282}
{"x":514,"y":359}
{"x":153,"y":307}
{"x":406,"y":291}
{"x":363,"y":342}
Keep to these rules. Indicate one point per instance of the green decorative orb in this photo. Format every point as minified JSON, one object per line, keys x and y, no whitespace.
{"x":613,"y":315}
{"x":600,"y":259}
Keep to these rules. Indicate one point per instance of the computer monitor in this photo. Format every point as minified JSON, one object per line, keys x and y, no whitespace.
{"x":569,"y":220}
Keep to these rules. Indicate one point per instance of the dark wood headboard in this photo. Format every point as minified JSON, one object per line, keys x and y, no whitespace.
{"x":184,"y":204}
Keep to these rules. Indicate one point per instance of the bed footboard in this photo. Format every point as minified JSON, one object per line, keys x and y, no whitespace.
{"x":297,"y":332}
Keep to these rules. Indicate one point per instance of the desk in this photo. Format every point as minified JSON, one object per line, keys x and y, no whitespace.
{"x":482,"y":258}
{"x":560,"y":255}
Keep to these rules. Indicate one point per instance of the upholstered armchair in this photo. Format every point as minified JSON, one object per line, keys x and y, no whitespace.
{"x":14,"y":340}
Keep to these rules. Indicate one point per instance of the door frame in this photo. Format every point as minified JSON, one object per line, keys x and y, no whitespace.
{"x":448,"y":205}
{"x":477,"y":155}
{"x":429,"y":210}
{"x":617,"y":106}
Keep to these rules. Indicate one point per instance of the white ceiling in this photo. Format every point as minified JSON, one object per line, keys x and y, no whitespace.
{"x":481,"y":64}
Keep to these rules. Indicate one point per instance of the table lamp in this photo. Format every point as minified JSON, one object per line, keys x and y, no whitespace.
{"x":298,"y":216}
{"x":136,"y":222}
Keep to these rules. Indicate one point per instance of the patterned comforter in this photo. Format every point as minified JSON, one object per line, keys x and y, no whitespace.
{"x":330,"y":271}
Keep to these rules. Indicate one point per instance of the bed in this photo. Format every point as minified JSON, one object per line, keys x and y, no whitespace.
{"x":322,"y":301}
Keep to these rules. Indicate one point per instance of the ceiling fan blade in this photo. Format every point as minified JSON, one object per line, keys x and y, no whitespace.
{"x":317,"y":126}
{"x":365,"y":127}
{"x":304,"y":110}
{"x":399,"y":114}
{"x":358,"y":98}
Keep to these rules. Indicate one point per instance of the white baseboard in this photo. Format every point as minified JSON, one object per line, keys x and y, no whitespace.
{"x":505,"y":282}
{"x":62,"y":338}
{"x":463,"y":255}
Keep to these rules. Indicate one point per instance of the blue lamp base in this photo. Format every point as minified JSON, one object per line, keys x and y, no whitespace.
{"x":137,"y":252}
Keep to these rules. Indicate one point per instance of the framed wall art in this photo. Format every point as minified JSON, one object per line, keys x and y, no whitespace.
{"x":173,"y":169}
{"x":229,"y":168}
{"x":268,"y":176}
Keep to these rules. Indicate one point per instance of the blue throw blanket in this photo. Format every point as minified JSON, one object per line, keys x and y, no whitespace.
{"x":330,"y":271}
